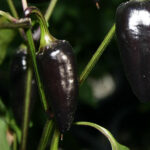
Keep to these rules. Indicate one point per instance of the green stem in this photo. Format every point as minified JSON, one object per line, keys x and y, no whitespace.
{"x":26,"y":109}
{"x":15,"y":142}
{"x":15,"y":14}
{"x":97,"y":54}
{"x":12,"y":8}
{"x":32,"y":51}
{"x":46,"y":37}
{"x":50,"y":9}
{"x":46,"y":134}
{"x":114,"y":144}
{"x":7,"y":16}
{"x":22,"y":23}
{"x":102,"y":130}
{"x":55,"y":140}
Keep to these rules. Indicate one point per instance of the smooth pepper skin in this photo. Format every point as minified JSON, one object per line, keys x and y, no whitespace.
{"x":57,"y":69}
{"x":133,"y":34}
{"x":18,"y":78}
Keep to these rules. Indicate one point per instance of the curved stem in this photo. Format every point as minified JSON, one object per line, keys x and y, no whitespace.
{"x":34,"y":11}
{"x":102,"y":130}
{"x":46,"y":134}
{"x":32,"y":52}
{"x":97,"y":54}
{"x":26,"y":109}
{"x":114,"y":144}
{"x":46,"y":37}
{"x":50,"y":9}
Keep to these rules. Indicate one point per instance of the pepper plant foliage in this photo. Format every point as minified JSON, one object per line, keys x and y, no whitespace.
{"x":12,"y":135}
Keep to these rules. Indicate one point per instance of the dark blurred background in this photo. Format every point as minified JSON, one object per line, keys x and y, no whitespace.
{"x":105,"y":97}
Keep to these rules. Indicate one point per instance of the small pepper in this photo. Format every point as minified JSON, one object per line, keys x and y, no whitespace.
{"x":57,"y":69}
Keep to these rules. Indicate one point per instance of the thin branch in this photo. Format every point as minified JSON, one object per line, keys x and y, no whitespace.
{"x":12,"y":8}
{"x":97,"y":54}
{"x":7,"y":16}
{"x":46,"y":134}
{"x":22,"y":23}
{"x":32,"y":52}
{"x":26,"y":109}
{"x":15,"y":142}
{"x":15,"y":14}
{"x":50,"y":9}
{"x":55,"y":140}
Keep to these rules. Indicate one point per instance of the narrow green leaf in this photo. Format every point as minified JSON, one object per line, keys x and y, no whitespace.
{"x":3,"y":140}
{"x":114,"y":144}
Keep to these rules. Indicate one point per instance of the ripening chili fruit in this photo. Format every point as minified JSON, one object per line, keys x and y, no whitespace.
{"x":57,"y":69}
{"x":133,"y":34}
{"x":56,"y":65}
{"x":18,"y":79}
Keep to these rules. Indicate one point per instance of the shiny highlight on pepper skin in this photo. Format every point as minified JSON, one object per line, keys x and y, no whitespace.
{"x":133,"y":35}
{"x":56,"y":65}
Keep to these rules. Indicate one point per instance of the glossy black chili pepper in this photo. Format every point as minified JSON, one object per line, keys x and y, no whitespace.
{"x":57,"y":69}
{"x":133,"y":34}
{"x":56,"y":65}
{"x":18,"y":79}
